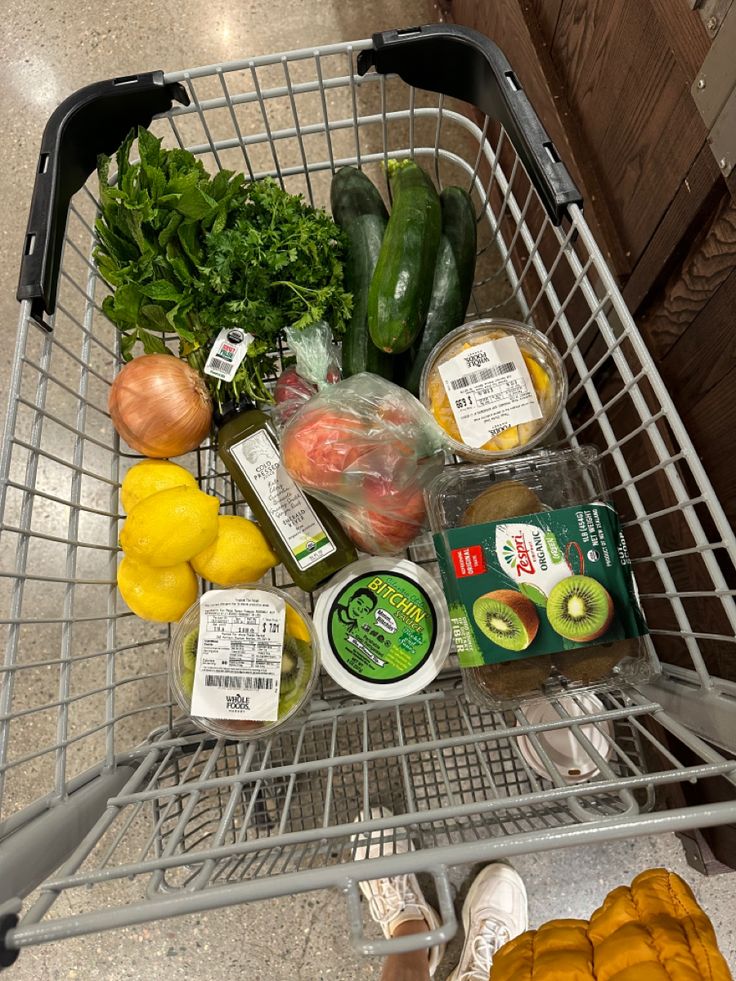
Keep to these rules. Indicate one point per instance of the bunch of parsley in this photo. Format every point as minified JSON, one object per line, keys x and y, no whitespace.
{"x":192,"y":254}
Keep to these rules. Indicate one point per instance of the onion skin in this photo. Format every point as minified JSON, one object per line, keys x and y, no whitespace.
{"x":160,"y":406}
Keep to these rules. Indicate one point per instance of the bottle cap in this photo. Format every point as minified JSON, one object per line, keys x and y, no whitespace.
{"x":230,"y":408}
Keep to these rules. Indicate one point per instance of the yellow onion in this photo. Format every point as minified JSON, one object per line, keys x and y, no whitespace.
{"x":160,"y":406}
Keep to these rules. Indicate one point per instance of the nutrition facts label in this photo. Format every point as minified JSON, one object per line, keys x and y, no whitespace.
{"x":489,"y":389}
{"x":239,"y":652}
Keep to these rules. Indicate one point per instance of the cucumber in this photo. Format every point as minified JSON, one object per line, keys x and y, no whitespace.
{"x":398,"y":299}
{"x":453,"y":279}
{"x":352,"y":194}
{"x":358,"y":209}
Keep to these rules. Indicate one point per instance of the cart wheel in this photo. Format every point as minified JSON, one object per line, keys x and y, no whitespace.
{"x":7,"y":956}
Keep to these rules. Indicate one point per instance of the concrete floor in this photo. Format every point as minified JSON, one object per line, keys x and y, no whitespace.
{"x":49,"y":49}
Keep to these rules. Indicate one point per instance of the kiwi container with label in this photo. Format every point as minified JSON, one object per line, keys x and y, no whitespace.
{"x":465,"y":495}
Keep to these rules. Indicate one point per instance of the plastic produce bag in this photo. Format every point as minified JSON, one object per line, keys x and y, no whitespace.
{"x":367,"y":449}
{"x":317,"y":357}
{"x":317,"y":365}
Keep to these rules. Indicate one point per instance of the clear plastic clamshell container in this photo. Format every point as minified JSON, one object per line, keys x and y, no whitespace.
{"x":300,"y":664}
{"x":470,"y":495}
{"x":535,"y":364}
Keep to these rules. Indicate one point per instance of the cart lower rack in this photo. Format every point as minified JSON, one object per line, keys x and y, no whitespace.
{"x":107,"y":797}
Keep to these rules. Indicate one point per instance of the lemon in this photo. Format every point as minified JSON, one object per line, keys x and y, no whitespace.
{"x":295,"y":625}
{"x":162,"y":595}
{"x":149,"y":477}
{"x":240,"y":553}
{"x":170,"y":526}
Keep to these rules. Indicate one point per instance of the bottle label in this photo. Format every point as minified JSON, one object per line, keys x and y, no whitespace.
{"x":382,"y":628}
{"x":239,"y":652}
{"x":538,"y":584}
{"x":490,"y":390}
{"x":290,"y":512}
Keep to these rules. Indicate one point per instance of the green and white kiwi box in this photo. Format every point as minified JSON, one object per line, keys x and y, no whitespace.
{"x":538,"y":584}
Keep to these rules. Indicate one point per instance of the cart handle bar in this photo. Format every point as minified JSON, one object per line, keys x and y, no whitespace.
{"x":466,"y":65}
{"x":444,"y":58}
{"x":91,"y":121}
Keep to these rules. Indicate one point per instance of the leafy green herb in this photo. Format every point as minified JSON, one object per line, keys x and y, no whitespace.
{"x":190,"y":254}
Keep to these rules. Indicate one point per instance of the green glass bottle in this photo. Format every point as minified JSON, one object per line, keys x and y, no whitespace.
{"x":306,"y":537}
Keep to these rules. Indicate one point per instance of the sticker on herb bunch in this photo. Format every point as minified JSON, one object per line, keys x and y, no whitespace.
{"x":554,"y":581}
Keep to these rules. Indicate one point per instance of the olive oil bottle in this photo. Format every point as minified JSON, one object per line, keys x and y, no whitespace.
{"x":306,"y":537}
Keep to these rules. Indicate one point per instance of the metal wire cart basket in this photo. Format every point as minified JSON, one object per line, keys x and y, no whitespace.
{"x":107,"y":797}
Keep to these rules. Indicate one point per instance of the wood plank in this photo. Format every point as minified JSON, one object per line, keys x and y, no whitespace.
{"x":697,"y":195}
{"x":596,"y":200}
{"x":712,"y":427}
{"x":633,"y":106}
{"x":706,"y":351}
{"x":547,"y":13}
{"x":685,"y":34}
{"x":707,"y":266}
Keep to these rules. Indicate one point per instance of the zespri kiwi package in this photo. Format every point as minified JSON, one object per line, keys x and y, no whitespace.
{"x":538,"y":580}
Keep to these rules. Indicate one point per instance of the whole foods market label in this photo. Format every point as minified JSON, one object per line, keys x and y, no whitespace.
{"x":291,"y":513}
{"x":227,"y":353}
{"x":539,"y":584}
{"x":239,"y":652}
{"x":381,"y":628}
{"x":490,"y":389}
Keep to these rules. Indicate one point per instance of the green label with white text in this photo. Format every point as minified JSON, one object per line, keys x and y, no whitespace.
{"x":382,"y":627}
{"x":538,"y":584}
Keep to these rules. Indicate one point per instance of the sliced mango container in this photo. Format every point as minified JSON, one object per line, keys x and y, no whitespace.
{"x":544,"y":370}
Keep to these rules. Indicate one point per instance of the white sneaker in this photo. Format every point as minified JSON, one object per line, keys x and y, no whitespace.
{"x":398,"y":899}
{"x":494,"y":912}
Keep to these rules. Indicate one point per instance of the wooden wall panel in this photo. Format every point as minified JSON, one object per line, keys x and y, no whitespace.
{"x":547,"y":13}
{"x":633,"y":106}
{"x":706,"y":268}
{"x":685,"y":33}
{"x":514,"y":26}
{"x":698,"y":196}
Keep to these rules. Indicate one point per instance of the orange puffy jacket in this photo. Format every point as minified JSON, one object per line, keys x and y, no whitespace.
{"x":653,"y":930}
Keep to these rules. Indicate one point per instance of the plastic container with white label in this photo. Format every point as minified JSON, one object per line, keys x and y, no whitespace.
{"x":299,"y":666}
{"x":496,"y":387}
{"x":383,"y":628}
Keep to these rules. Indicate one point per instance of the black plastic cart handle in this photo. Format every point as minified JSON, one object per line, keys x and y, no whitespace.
{"x":93,"y":120}
{"x":455,"y":61}
{"x":465,"y":64}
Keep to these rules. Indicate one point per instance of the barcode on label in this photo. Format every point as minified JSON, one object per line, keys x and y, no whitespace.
{"x":219,"y":364}
{"x":245,"y":682}
{"x":484,"y":374}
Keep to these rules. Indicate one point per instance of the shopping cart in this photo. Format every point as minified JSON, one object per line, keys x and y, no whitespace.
{"x":107,"y":796}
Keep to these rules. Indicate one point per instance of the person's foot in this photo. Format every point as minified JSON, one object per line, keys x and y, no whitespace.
{"x":397,"y":899}
{"x":494,"y":912}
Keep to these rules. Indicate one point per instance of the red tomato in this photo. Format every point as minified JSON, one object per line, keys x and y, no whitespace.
{"x":318,"y":446}
{"x":290,"y":385}
{"x":380,"y":532}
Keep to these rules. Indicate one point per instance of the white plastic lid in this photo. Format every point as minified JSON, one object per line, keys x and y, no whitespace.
{"x":563,"y":748}
{"x":383,"y":628}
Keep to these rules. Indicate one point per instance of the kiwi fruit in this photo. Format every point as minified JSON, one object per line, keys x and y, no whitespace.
{"x":590,"y":664}
{"x":289,"y":657}
{"x":580,"y":609}
{"x":507,"y":618}
{"x":507,"y":499}
{"x":189,"y":650}
{"x":512,"y":678}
